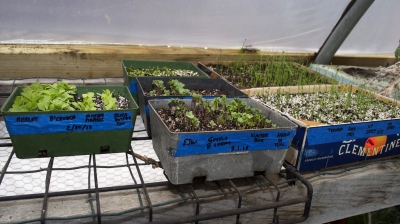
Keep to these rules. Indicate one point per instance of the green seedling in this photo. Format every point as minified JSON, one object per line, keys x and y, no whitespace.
{"x":44,"y":97}
{"x":275,"y":70}
{"x":333,"y":107}
{"x":59,"y":96}
{"x":110,"y":102}
{"x":156,"y":71}
{"x":158,"y":88}
{"x":87,"y":102}
{"x":212,"y":123}
{"x":233,"y":114}
{"x":193,"y":121}
{"x":177,"y":88}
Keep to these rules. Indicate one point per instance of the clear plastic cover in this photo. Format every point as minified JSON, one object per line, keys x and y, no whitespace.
{"x":293,"y":26}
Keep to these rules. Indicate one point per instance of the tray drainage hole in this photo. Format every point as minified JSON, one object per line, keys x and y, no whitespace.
{"x":104,"y":149}
{"x":42,"y":153}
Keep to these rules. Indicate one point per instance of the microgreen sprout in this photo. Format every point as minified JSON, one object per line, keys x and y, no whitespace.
{"x":276,"y":70}
{"x":333,"y":107}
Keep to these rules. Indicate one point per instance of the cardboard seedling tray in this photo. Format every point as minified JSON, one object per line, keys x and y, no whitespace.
{"x":318,"y":146}
{"x":204,"y":66}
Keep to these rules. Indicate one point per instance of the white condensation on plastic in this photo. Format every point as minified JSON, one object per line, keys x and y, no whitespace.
{"x":375,"y":33}
{"x":76,"y":179}
{"x":292,"y":26}
{"x":297,"y":26}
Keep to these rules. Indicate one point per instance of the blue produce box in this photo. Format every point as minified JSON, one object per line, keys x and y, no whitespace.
{"x":318,"y":146}
{"x":326,"y":146}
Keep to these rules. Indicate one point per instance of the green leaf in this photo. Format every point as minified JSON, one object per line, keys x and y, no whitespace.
{"x":27,"y":96}
{"x":166,"y":93}
{"x":15,"y":109}
{"x":42,"y":106}
{"x":212,"y":123}
{"x":221,"y":120}
{"x":153,"y":93}
{"x":65,"y":105}
{"x":77,"y":105}
{"x":110,"y":106}
{"x":18,"y":101}
{"x":190,"y":114}
{"x":88,"y":95}
{"x":109,"y":101}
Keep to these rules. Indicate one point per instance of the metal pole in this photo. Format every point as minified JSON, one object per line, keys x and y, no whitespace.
{"x":341,"y":31}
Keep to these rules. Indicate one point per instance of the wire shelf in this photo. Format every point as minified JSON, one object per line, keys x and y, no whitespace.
{"x":142,"y":199}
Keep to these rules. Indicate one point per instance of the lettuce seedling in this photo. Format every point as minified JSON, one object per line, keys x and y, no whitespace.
{"x":87,"y":102}
{"x":110,"y":102}
{"x":44,"y":97}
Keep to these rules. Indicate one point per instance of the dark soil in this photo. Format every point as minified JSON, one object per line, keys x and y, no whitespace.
{"x":359,"y":72}
{"x":205,"y":92}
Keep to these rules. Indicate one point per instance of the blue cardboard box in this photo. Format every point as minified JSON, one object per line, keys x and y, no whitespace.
{"x":327,"y":146}
{"x":317,"y":146}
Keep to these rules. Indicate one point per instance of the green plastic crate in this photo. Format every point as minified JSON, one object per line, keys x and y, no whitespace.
{"x":131,"y":82}
{"x":70,"y":133}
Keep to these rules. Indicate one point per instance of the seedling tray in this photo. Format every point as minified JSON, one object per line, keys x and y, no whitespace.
{"x":318,"y":146}
{"x":222,"y":154}
{"x":145,"y":83}
{"x":130,"y":81}
{"x":204,"y":66}
{"x":69,"y":133}
{"x":380,"y":80}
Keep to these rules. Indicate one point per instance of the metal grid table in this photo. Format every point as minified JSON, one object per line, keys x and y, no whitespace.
{"x":144,"y":205}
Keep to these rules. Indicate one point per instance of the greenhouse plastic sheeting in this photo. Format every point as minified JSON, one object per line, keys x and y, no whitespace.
{"x":294,"y":26}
